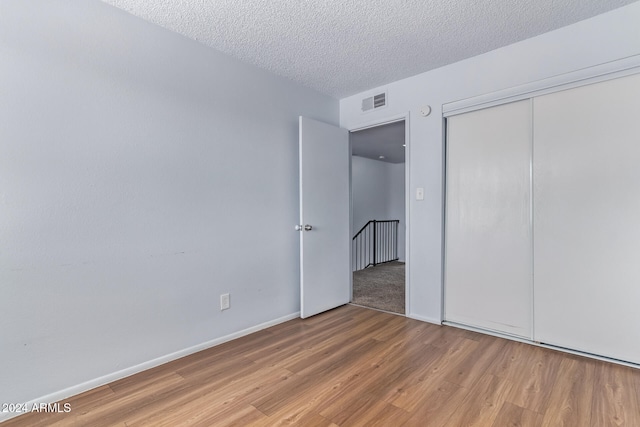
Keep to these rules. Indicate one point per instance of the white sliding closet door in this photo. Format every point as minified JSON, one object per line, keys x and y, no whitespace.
{"x":587,"y":218}
{"x":488,"y":219}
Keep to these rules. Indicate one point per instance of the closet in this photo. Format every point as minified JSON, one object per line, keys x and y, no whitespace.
{"x":488,"y":262}
{"x":542,"y":225}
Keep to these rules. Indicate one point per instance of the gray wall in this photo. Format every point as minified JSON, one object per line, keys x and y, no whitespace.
{"x":378,"y":193}
{"x":141,"y":176}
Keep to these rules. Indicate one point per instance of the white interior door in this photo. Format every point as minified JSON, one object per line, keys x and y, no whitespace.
{"x":488,"y":281}
{"x":587,"y":213}
{"x":325,"y":244}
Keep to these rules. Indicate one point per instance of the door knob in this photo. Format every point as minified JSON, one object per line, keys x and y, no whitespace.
{"x":307,"y":227}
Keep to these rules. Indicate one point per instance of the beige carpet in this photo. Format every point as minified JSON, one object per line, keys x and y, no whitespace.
{"x":380,"y":287}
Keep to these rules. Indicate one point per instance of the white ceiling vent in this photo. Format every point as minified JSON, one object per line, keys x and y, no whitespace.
{"x":374,"y":102}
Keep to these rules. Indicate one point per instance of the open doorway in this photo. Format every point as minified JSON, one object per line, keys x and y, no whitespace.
{"x":378,"y":216}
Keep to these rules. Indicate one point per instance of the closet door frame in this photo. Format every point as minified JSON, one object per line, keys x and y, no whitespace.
{"x":582,"y":77}
{"x":587,"y":207}
{"x":586,"y":76}
{"x":492,"y":290}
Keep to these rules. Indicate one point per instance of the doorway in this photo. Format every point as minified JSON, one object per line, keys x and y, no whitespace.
{"x":378,"y":215}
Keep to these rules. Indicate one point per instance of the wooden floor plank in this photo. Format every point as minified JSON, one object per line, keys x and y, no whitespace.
{"x":358,"y":367}
{"x":615,"y":399}
{"x":365,"y":409}
{"x":571,"y":397}
{"x":511,"y":415}
{"x":437,"y":406}
{"x":238,"y":417}
{"x":510,"y":362}
{"x":296,"y":387}
{"x":209,"y":399}
{"x":130,"y":403}
{"x":535,"y":378}
{"x":80,"y":404}
{"x":482,"y":403}
{"x":410,"y":394}
{"x":469,"y":371}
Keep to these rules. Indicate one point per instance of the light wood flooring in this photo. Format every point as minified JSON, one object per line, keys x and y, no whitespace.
{"x":353,"y":366}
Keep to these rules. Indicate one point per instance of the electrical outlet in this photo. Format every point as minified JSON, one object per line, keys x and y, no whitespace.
{"x":224,"y":302}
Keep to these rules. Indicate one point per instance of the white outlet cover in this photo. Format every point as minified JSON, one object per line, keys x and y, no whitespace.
{"x":419,"y":193}
{"x":224,"y":302}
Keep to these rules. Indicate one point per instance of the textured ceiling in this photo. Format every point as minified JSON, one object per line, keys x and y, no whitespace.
{"x":343,"y":47}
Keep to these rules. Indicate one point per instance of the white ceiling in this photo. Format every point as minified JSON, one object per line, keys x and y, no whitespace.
{"x":343,"y":47}
{"x":386,"y":141}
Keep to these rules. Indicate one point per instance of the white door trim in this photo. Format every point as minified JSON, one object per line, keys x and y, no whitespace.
{"x":407,"y":196}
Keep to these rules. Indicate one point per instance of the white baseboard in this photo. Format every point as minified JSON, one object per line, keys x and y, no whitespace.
{"x":425,"y":319}
{"x":106,"y":379}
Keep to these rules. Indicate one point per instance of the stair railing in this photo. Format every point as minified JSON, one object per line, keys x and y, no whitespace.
{"x":375,"y":243}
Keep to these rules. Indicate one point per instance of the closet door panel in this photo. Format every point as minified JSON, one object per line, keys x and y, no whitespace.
{"x":488,"y":231}
{"x":587,"y":218}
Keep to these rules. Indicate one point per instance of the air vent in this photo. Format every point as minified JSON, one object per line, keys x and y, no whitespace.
{"x":374,"y":102}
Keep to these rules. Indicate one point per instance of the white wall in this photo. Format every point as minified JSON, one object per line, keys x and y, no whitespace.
{"x":378,"y":193}
{"x":604,"y":38}
{"x":370,"y":187}
{"x":141,"y":176}
{"x":397,"y":203}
